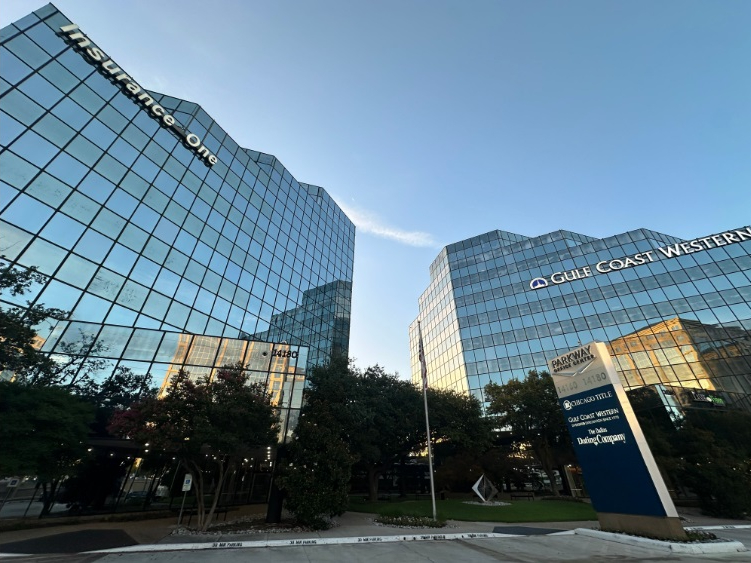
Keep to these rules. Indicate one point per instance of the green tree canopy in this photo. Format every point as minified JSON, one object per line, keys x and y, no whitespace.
{"x":381,"y":418}
{"x":222,"y":421}
{"x":43,"y":432}
{"x":457,"y":424}
{"x":530,"y":409}
{"x":316,"y":472}
{"x":707,"y":450}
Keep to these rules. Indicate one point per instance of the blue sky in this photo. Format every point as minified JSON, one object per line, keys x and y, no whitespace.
{"x":430,"y":121}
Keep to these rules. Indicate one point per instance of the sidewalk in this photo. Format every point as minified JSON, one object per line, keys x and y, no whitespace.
{"x":102,"y":535}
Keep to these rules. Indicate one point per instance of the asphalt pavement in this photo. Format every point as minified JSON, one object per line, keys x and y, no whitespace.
{"x":161,"y":539}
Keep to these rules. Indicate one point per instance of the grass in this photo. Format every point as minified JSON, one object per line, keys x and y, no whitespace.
{"x":519,"y":511}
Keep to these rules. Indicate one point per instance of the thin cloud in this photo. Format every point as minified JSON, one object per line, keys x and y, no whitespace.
{"x":367,"y":222}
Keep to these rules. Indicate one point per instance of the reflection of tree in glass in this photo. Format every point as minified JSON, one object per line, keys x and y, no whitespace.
{"x":19,"y":357}
{"x":50,"y":405}
{"x":74,"y":365}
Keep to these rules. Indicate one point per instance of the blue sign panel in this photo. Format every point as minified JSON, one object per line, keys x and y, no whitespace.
{"x":616,"y":476}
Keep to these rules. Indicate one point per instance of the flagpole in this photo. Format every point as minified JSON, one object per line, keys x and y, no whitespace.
{"x":424,"y":369}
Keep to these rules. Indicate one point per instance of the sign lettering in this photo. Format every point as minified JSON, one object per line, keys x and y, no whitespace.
{"x":669,"y":251}
{"x":117,"y":76}
{"x":618,"y":467}
{"x":283,"y":354}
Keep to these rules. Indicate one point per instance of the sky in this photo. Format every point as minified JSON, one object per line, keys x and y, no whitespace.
{"x":430,"y":122}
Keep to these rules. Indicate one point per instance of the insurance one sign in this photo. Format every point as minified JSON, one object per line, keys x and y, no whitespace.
{"x":618,"y":468}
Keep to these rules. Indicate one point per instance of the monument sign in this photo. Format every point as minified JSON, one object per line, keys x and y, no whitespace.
{"x":620,"y":473}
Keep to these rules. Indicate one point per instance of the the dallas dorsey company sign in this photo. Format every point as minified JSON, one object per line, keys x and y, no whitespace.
{"x":663,"y":252}
{"x":116,"y":75}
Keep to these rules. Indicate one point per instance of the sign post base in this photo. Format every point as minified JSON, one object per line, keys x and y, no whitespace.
{"x":657,"y":527}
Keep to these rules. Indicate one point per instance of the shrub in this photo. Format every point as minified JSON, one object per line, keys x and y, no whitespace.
{"x":316,"y":476}
{"x":411,"y":521}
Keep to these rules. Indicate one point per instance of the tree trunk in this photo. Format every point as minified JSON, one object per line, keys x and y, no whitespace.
{"x":545,"y":455}
{"x":402,"y":477}
{"x":550,"y":472}
{"x":217,"y":494}
{"x":373,"y":474}
{"x":198,"y":485}
{"x":48,"y":497}
{"x":45,"y":500}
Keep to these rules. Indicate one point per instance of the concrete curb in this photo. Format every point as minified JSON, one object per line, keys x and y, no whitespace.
{"x":670,"y":547}
{"x":720,"y":527}
{"x":301,"y":542}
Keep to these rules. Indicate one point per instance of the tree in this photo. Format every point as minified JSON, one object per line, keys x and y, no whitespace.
{"x":381,"y":419}
{"x":317,"y":471}
{"x":530,"y":409}
{"x":715,"y":461}
{"x":117,"y":392}
{"x":43,"y":432}
{"x":218,"y":422}
{"x":391,"y":426}
{"x":457,"y":425}
{"x":52,"y":386}
{"x":316,"y":474}
{"x":707,"y":450}
{"x":719,"y":475}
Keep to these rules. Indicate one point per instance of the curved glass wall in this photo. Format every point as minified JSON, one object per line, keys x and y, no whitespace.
{"x":143,"y":213}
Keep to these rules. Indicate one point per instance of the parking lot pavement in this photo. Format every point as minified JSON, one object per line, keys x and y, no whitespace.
{"x":356,"y":528}
{"x":527,"y":549}
{"x":741,"y":534}
{"x":70,"y":542}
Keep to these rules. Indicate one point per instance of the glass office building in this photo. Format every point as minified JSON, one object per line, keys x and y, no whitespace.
{"x":676,"y":314}
{"x":170,"y":245}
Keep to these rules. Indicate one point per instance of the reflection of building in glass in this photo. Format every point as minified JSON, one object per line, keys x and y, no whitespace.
{"x":148,"y":220}
{"x":325,"y":312}
{"x":687,"y":354}
{"x":676,"y":313}
{"x":278,"y":367}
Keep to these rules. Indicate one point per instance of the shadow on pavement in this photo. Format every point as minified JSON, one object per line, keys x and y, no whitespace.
{"x":71,"y":542}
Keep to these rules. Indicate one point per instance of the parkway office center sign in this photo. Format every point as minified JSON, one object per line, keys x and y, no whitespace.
{"x":620,"y":473}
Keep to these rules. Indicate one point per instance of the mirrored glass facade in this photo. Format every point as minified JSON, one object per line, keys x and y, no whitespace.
{"x":676,"y":314}
{"x":149,"y":222}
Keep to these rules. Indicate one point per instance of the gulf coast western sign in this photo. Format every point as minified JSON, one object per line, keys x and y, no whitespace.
{"x":663,"y":252}
{"x":116,"y":75}
{"x":618,"y":468}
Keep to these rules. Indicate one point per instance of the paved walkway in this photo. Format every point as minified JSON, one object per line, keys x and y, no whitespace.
{"x":101,"y":535}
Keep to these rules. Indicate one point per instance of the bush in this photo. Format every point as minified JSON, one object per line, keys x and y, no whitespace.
{"x":723,"y":491}
{"x":411,"y":521}
{"x":313,"y":495}
{"x":716,"y":471}
{"x":316,"y":476}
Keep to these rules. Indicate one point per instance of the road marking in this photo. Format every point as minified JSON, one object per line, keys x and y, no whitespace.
{"x":301,"y":542}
